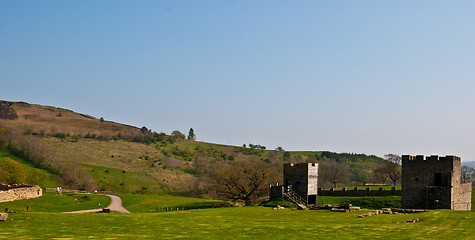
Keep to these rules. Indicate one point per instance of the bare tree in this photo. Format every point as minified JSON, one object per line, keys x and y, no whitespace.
{"x":467,"y":172}
{"x":244,"y":180}
{"x":391,"y":169}
{"x":393,"y":158}
{"x":333,"y":173}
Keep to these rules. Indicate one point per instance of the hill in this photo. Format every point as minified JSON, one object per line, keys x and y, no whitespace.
{"x":90,"y":153}
{"x":469,"y":164}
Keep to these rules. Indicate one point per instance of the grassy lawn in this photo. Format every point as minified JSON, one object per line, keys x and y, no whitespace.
{"x":137,"y":203}
{"x":240,"y":223}
{"x":364,"y":202}
{"x":53,"y":202}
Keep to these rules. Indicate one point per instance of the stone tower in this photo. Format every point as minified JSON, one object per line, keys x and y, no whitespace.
{"x":434,"y":183}
{"x":302,"y":178}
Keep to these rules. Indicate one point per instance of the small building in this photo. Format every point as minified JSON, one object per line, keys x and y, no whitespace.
{"x":434,"y":183}
{"x":300,"y":179}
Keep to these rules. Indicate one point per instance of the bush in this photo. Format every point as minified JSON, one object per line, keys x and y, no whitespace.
{"x":12,"y":172}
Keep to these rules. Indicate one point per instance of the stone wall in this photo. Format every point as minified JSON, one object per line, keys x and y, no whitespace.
{"x":18,"y":192}
{"x":359,"y":192}
{"x":463,"y":196}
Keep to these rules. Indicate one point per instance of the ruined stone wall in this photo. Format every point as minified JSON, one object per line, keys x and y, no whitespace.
{"x":276,"y":192}
{"x":359,"y":192}
{"x":18,"y":192}
{"x":462,"y":196}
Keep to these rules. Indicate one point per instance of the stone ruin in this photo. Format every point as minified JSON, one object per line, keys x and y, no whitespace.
{"x":300,"y":183}
{"x":434,"y":183}
{"x":19,"y":191}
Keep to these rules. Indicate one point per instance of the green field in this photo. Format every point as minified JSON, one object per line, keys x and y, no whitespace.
{"x":240,"y":223}
{"x":54,"y":202}
{"x":149,"y":203}
{"x":363,"y":202}
{"x":45,"y":220}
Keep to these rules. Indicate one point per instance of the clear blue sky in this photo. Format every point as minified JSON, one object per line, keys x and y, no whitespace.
{"x":370,"y":77}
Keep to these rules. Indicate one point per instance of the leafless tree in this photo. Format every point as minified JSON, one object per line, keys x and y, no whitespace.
{"x":246,"y":180}
{"x":467,"y":172}
{"x":333,"y":173}
{"x":391,"y":169}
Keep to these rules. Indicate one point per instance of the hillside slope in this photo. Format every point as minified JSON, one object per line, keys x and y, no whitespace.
{"x":122,"y":158}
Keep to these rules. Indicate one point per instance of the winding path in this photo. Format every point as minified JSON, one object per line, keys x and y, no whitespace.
{"x":115,"y":206}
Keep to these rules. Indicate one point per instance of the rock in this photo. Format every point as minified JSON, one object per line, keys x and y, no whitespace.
{"x":347,"y":206}
{"x":413,"y":220}
{"x":106,"y":210}
{"x":222,"y":205}
{"x":3,"y":216}
{"x":355,"y":209}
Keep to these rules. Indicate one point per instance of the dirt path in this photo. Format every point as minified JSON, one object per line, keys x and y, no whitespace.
{"x":115,"y":206}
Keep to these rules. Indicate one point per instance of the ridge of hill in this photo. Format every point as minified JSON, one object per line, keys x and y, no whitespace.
{"x":86,"y":152}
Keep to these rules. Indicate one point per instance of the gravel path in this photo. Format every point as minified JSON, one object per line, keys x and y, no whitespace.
{"x":115,"y":206}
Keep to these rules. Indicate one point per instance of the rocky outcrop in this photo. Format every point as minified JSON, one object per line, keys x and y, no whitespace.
{"x":18,"y":192}
{"x":6,"y":111}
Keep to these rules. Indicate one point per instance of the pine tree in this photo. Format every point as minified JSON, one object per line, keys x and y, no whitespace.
{"x":191,"y":135}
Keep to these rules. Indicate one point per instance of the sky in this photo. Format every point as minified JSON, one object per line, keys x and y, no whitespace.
{"x":373,"y":77}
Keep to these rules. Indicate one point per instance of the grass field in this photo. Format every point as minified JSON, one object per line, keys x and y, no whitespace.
{"x":240,"y":223}
{"x":148,"y":203}
{"x":53,"y":202}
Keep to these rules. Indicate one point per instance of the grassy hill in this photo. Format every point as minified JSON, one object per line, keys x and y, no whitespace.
{"x":86,"y":152}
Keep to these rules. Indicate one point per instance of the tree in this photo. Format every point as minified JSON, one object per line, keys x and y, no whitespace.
{"x":244,"y":180}
{"x":393,"y":158}
{"x":12,"y":171}
{"x":101,"y":119}
{"x":333,"y":173}
{"x":177,"y":134}
{"x":391,"y":169}
{"x":467,"y":173}
{"x":191,"y":135}
{"x":279,"y":149}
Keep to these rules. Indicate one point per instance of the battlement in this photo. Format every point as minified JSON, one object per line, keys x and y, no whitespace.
{"x":430,"y":158}
{"x":297,"y":165}
{"x":449,"y":163}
